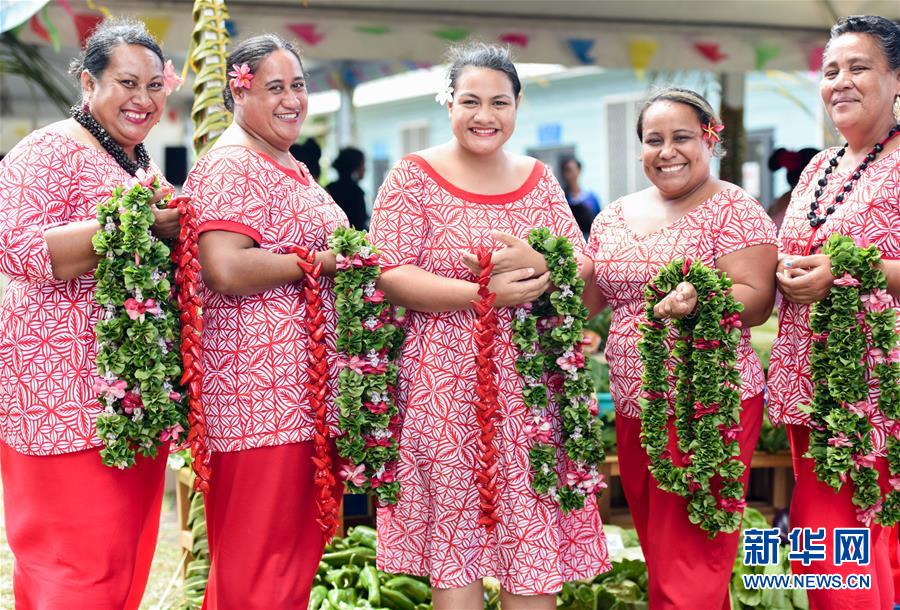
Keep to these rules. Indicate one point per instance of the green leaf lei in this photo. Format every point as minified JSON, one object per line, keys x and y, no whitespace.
{"x":548,"y":335}
{"x":138,"y":356}
{"x":854,"y":324}
{"x":369,"y":340}
{"x":707,"y":398}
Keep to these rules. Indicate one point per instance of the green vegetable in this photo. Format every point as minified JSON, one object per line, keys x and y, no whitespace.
{"x":357,"y":555}
{"x":362,"y":535}
{"x":395,"y":600}
{"x":415,"y":590}
{"x":316,"y":596}
{"x":368,"y":580}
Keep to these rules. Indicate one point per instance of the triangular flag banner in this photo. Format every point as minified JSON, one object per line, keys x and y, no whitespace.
{"x":158,"y":26}
{"x":641,"y":52}
{"x":307,"y":33}
{"x":766,"y":53}
{"x":581,"y":49}
{"x":85,"y":23}
{"x":64,"y":4}
{"x":515,"y":38}
{"x":815,"y":58}
{"x":51,"y":29}
{"x":231,"y":28}
{"x":38,"y":28}
{"x":711,"y":51}
{"x":453,"y":34}
{"x":373,"y":30}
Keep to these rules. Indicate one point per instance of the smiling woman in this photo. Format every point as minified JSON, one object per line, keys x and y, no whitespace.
{"x":60,"y":500}
{"x":260,"y":211}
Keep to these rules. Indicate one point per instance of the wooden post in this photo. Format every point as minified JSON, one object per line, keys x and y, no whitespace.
{"x":734,"y":137}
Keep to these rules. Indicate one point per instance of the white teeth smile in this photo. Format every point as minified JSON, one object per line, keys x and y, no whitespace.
{"x":136,"y":116}
{"x":484,"y":132}
{"x":669,"y":169}
{"x":288,"y":117}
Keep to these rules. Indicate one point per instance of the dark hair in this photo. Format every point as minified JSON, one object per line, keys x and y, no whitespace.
{"x":481,"y":55}
{"x":309,"y":154}
{"x":105,"y":38}
{"x":692,"y":99}
{"x":251,"y":52}
{"x":885,"y":32}
{"x":565,"y":161}
{"x":794,"y":161}
{"x":348,"y":161}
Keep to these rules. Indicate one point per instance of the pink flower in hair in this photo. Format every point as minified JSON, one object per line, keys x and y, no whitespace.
{"x":171,"y":80}
{"x":241,"y":76}
{"x":711,"y":130}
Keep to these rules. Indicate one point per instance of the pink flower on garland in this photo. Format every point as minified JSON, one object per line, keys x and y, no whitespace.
{"x":538,"y":429}
{"x":382,"y":476}
{"x":376,"y":297}
{"x":863,"y":461}
{"x":862,"y":241}
{"x":894,"y":356}
{"x":895,"y":482}
{"x":174,"y":396}
{"x":588,"y":482}
{"x":141,"y":178}
{"x":171,"y":80}
{"x":701,"y":409}
{"x":863,"y":408}
{"x":731,"y":433}
{"x":571,"y":361}
{"x":840,"y":440}
{"x":115,"y":389}
{"x":241,"y":76}
{"x":731,"y":321}
{"x":867,"y":515}
{"x":877,"y":300}
{"x":732,"y":505}
{"x":355,"y":475}
{"x":846,"y":280}
{"x":593,"y":407}
{"x":707,"y":343}
{"x":376,"y":407}
{"x":171,"y":433}
{"x":131,"y":401}
{"x":374,"y":441}
{"x":136,"y":309}
{"x":354,"y":363}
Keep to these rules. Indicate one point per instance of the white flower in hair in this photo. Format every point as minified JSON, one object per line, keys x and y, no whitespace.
{"x":445,"y":95}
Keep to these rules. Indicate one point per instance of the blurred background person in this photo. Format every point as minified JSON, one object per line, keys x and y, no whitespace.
{"x":793,"y":161}
{"x":350,"y":165}
{"x":584,"y":203}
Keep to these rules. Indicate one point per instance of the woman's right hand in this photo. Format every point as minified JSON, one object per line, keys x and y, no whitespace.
{"x":514,"y":287}
{"x":166,"y":223}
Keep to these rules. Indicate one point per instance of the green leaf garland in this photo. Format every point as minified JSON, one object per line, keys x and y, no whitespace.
{"x":138,"y":356}
{"x":548,"y":335}
{"x":855,"y":323}
{"x":707,"y":396}
{"x":369,"y":340}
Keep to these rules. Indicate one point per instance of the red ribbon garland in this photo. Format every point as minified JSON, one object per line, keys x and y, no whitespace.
{"x":187,"y":277}
{"x":486,"y":391}
{"x":317,"y":389}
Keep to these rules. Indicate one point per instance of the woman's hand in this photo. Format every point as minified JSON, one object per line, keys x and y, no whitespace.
{"x":679,"y":303}
{"x":166,"y":224}
{"x":805,"y":279}
{"x":518,"y":286}
{"x":516,"y":254}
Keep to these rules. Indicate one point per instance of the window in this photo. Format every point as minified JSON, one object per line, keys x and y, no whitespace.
{"x":622,"y":146}
{"x":415,"y":136}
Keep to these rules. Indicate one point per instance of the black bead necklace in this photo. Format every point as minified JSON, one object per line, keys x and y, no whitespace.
{"x":814,"y":219}
{"x":87,"y":120}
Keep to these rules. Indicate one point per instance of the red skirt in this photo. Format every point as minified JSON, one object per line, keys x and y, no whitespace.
{"x":685,"y":568}
{"x":82,"y":534}
{"x":814,"y":504}
{"x":264,"y":542}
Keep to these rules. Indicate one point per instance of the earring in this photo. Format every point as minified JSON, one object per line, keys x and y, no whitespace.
{"x":897,"y":108}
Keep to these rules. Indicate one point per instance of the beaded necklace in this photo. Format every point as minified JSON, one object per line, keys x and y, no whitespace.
{"x":87,"y":120}
{"x":814,"y":219}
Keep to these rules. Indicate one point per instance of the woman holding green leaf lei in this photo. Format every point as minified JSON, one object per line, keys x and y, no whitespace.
{"x":686,"y":423}
{"x":834,"y":320}
{"x":83,"y":478}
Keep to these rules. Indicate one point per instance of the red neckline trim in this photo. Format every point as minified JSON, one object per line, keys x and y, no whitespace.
{"x":501,"y":198}
{"x":295,"y":174}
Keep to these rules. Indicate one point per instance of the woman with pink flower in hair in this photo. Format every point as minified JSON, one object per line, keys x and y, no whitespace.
{"x":686,"y":214}
{"x":82,"y":534}
{"x":852,"y":191}
{"x":267,"y":267}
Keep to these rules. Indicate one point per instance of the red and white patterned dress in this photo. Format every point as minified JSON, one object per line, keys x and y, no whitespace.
{"x":254,"y":347}
{"x":624,"y":263}
{"x":871,"y":211}
{"x":47,"y":402}
{"x":420,"y":219}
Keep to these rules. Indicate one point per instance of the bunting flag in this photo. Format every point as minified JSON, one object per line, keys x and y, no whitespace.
{"x":641,"y":52}
{"x":766,"y":53}
{"x":64,"y":4}
{"x":307,"y":33}
{"x":44,"y":28}
{"x":157,"y":26}
{"x":372,"y":30}
{"x":453,"y":34}
{"x":514,"y":38}
{"x":815,"y":58}
{"x":85,"y":23}
{"x":581,"y":49}
{"x":99,"y":7}
{"x":231,"y":28}
{"x":711,"y":51}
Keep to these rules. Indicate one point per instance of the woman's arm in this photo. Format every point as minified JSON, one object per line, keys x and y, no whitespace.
{"x":593,"y":296}
{"x":233,"y":264}
{"x":892,"y":272}
{"x":752,"y":273}
{"x":414,"y":288}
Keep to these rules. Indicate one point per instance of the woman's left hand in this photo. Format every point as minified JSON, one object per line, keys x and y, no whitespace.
{"x":679,"y":303}
{"x":805,"y":279}
{"x":516,"y":255}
